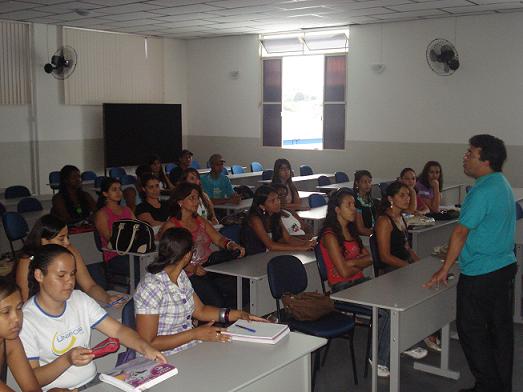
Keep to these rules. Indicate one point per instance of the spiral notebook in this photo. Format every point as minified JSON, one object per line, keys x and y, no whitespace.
{"x":257,"y":332}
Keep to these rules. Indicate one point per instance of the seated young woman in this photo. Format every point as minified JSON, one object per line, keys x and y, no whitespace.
{"x":72,"y":204}
{"x":51,"y":230}
{"x":416,"y":205}
{"x":184,"y":163}
{"x":11,"y":349}
{"x":58,"y":322}
{"x":392,"y":236}
{"x":292,"y":222}
{"x":263,"y":228}
{"x":430,"y":185}
{"x":152,"y":210}
{"x":282,"y":174}
{"x":110,"y":211}
{"x":205,"y":206}
{"x":156,"y":167}
{"x":345,"y":259}
{"x":366,"y":206}
{"x":213,"y":289}
{"x":165,"y":301}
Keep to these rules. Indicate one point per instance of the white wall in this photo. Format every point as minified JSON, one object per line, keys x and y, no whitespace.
{"x":407,"y":103}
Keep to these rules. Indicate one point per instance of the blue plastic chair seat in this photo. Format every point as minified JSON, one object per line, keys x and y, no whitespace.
{"x":306,"y":170}
{"x":256,"y":166}
{"x":332,"y":325}
{"x":88,"y":175}
{"x":29,"y":204}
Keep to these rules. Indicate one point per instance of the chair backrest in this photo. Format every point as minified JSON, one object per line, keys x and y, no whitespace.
{"x":128,"y":318}
{"x":267,"y":174}
{"x":323,"y":180}
{"x":88,"y":175}
{"x":375,"y":253}
{"x":320,"y":263}
{"x":225,"y":171}
{"x":383,"y":187}
{"x":117,"y":172}
{"x":98,"y":181}
{"x":286,"y":274}
{"x":341,"y":177}
{"x":316,"y":200}
{"x":237,"y":169}
{"x":195,"y":164}
{"x":29,"y":204}
{"x":169,"y":167}
{"x":232,"y":232}
{"x":128,"y":179}
{"x":305,"y":170}
{"x":15,"y":226}
{"x":256,"y":166}
{"x":97,"y":241}
{"x":15,"y":191}
{"x":54,"y":179}
{"x":2,"y":209}
{"x":519,"y":211}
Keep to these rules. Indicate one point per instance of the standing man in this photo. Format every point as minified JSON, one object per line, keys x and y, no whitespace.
{"x":483,"y":241}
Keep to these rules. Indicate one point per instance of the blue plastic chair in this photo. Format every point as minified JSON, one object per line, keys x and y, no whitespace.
{"x":54,"y":180}
{"x":128,"y":179}
{"x":286,"y":275}
{"x":98,"y":181}
{"x":232,"y":232}
{"x":88,"y":175}
{"x":305,"y":170}
{"x":170,"y":167}
{"x":237,"y":169}
{"x":256,"y":166}
{"x":128,"y":319}
{"x":2,"y":209}
{"x":317,"y":200}
{"x":15,"y":191}
{"x":323,"y":180}
{"x":15,"y":228}
{"x":195,"y":164}
{"x":267,"y":174}
{"x":340,"y":177}
{"x":117,"y":172}
{"x":345,"y":307}
{"x":383,"y":187}
{"x":29,"y":204}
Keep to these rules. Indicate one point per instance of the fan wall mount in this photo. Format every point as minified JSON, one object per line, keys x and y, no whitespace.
{"x":442,"y":57}
{"x":63,"y":63}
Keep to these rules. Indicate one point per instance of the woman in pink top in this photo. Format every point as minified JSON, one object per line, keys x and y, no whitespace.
{"x":109,"y":211}
{"x":213,"y":289}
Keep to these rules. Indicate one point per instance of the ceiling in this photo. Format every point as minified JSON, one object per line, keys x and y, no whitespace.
{"x":208,"y":18}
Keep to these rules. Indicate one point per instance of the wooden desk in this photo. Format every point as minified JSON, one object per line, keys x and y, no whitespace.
{"x":254,"y":268}
{"x":304,"y":183}
{"x":416,"y":312}
{"x":240,"y":366}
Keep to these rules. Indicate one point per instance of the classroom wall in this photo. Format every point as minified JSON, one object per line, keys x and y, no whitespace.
{"x":66,"y":133}
{"x":401,"y":117}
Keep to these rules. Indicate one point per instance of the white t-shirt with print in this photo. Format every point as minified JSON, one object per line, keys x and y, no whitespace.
{"x":46,"y":337}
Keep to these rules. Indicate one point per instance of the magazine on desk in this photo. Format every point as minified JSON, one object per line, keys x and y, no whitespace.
{"x":257,"y":332}
{"x":139,"y":374}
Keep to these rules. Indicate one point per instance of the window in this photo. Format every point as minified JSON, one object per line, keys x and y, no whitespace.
{"x":304,"y":93}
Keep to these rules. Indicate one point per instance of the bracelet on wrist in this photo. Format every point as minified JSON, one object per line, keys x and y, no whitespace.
{"x":226,"y":244}
{"x":221,"y":315}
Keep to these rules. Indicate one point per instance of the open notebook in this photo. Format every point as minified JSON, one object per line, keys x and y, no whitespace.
{"x":257,"y":332}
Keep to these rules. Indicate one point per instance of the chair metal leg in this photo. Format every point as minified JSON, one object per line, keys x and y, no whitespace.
{"x":326,"y":352}
{"x":367,"y":354}
{"x":316,"y":367}
{"x":353,"y":357}
{"x":12,"y":249}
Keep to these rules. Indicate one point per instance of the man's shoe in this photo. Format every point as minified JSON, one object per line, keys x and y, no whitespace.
{"x":433,"y":345}
{"x":383,"y":371}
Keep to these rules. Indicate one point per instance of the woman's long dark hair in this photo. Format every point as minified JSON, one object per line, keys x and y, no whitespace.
{"x":7,"y":287}
{"x":41,"y":260}
{"x":181,"y":191}
{"x":174,"y":244}
{"x":146,"y":177}
{"x":104,"y":187}
{"x":391,"y":191}
{"x":161,"y":175}
{"x":65,"y":173}
{"x":276,"y":176}
{"x":272,"y":222}
{"x":424,"y":176}
{"x":358,"y":175}
{"x":183,"y":178}
{"x":47,"y":227}
{"x":331,"y":222}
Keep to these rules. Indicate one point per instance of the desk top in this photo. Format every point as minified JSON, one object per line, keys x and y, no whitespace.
{"x":349,"y":184}
{"x":316,"y":213}
{"x":440,"y":223}
{"x":398,"y":290}
{"x":244,"y":175}
{"x":230,"y":367}
{"x":311,"y":177}
{"x":255,"y":266}
{"x":244,"y":204}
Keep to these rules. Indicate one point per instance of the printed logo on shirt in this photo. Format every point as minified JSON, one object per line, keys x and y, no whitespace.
{"x":64,"y":341}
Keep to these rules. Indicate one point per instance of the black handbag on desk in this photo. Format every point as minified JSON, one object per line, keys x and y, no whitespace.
{"x":131,"y":236}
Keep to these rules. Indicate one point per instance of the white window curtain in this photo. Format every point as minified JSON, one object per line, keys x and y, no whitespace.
{"x":15,"y":80}
{"x":114,"y":67}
